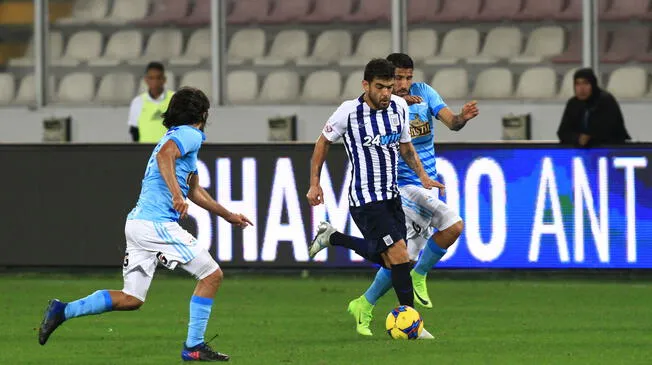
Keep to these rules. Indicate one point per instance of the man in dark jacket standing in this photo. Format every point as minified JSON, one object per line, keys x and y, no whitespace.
{"x":592,"y":117}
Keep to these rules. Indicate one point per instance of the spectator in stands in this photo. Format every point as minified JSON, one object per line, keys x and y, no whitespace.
{"x":145,"y":120}
{"x":592,"y":117}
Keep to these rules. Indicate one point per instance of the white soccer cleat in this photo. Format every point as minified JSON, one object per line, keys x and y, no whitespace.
{"x":322,"y":239}
{"x":425,"y":335}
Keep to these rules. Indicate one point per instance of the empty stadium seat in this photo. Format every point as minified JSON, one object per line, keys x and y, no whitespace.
{"x":27,"y":90}
{"x":241,"y":87}
{"x":537,"y":10}
{"x":123,"y":45}
{"x":200,"y":14}
{"x":418,"y":75}
{"x":330,"y":46}
{"x":288,"y":45}
{"x":200,"y":79}
{"x":124,"y":11}
{"x":537,"y":83}
{"x":322,"y":87}
{"x":501,"y":43}
{"x":76,"y":87}
{"x":353,"y":86}
{"x":166,"y":11}
{"x":55,"y":49}
{"x":280,"y":87}
{"x":82,"y":46}
{"x":372,"y":44}
{"x":86,"y":11}
{"x":248,"y":11}
{"x":162,"y":44}
{"x":457,"y":10}
{"x":7,"y":88}
{"x":198,"y":48}
{"x":170,"y":82}
{"x":573,"y":52}
{"x":628,"y":82}
{"x":626,"y":42}
{"x":370,"y":11}
{"x":422,"y":44}
{"x":494,"y":83}
{"x":287,"y":11}
{"x":245,"y":45}
{"x":327,"y":11}
{"x":573,"y":10}
{"x":496,"y":10}
{"x":116,"y":87}
{"x":421,"y":11}
{"x":626,"y":9}
{"x":451,"y":83}
{"x":542,"y":43}
{"x":458,"y":43}
{"x":566,"y":90}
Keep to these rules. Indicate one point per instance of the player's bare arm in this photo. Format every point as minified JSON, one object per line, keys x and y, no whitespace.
{"x":315,"y":194}
{"x":166,"y":158}
{"x":411,"y":157}
{"x":202,"y":198}
{"x":456,"y":122}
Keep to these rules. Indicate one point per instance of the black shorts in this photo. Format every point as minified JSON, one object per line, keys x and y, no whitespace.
{"x":382,"y":222}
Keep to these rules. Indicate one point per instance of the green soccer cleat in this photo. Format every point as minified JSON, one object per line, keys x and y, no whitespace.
{"x":420,"y":290}
{"x":361,"y":310}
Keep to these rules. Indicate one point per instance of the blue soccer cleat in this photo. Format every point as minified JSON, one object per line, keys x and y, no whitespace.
{"x":54,"y":316}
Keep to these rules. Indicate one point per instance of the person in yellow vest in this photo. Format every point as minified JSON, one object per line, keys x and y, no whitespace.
{"x":145,"y":120}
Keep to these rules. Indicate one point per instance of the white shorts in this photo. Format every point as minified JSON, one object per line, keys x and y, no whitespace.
{"x":424,"y":213}
{"x":150,"y":243}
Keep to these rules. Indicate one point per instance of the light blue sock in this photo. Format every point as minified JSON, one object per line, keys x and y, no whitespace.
{"x":429,"y":257}
{"x":382,"y":283}
{"x":96,"y":303}
{"x":200,"y":311}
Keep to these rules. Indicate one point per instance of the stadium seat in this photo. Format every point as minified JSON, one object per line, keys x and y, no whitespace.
{"x":373,"y":43}
{"x":288,"y":11}
{"x":55,"y":49}
{"x":322,"y":87}
{"x":457,"y":10}
{"x":542,"y":43}
{"x":27,"y":90}
{"x":418,"y":75}
{"x":116,"y":88}
{"x":501,"y":43}
{"x":248,"y":11}
{"x":537,"y":83}
{"x":86,"y":11}
{"x":200,"y":79}
{"x":76,"y":87}
{"x":422,"y":44}
{"x":494,"y":83}
{"x":573,"y":52}
{"x":496,"y":10}
{"x":451,"y":83}
{"x":7,"y":88}
{"x":566,"y":90}
{"x":626,"y":42}
{"x":82,"y":46}
{"x":628,"y":82}
{"x":165,"y":12}
{"x":241,"y":87}
{"x":280,"y":87}
{"x":422,"y":11}
{"x":327,"y":11}
{"x":197,"y":48}
{"x":170,"y":83}
{"x":125,"y":11}
{"x":123,"y":45}
{"x":458,"y":43}
{"x":537,"y":10}
{"x":246,"y":45}
{"x":162,"y":44}
{"x":200,"y":14}
{"x":370,"y":11}
{"x":288,"y":45}
{"x":573,"y":11}
{"x":353,"y":86}
{"x":330,"y":46}
{"x":626,"y":10}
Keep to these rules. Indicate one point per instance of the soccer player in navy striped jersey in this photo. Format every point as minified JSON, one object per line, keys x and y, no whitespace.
{"x":376,"y":132}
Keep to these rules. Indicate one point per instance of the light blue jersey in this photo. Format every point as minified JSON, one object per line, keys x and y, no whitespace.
{"x":423,"y":133}
{"x":155,"y":201}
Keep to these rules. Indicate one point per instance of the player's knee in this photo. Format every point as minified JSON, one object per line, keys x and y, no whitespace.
{"x":214,"y":279}
{"x":128,"y":303}
{"x":455,"y":230}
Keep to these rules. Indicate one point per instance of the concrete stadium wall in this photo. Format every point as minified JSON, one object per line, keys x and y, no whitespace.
{"x":248,"y":124}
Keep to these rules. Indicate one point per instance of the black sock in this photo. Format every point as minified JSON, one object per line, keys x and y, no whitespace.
{"x":359,"y":245}
{"x":402,"y":283}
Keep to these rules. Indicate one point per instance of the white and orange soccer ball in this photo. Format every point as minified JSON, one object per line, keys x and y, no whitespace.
{"x":404,"y":323}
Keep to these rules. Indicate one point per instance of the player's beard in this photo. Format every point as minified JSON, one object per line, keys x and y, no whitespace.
{"x":379,"y":102}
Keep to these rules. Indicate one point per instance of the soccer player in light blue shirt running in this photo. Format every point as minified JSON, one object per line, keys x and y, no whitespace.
{"x":424,"y":212}
{"x":154,"y":237}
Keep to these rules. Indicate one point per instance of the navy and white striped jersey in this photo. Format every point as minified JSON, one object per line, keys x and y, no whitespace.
{"x":371,"y":138}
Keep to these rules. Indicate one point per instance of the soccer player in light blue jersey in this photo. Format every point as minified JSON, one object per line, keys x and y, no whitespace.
{"x":154,"y":236}
{"x":424,"y":212}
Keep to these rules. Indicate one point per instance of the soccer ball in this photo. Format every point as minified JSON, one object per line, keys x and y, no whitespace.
{"x":404,"y":323}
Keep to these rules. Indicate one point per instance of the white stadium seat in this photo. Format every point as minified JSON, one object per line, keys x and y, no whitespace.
{"x":200,"y":79}
{"x":288,"y":45}
{"x":537,"y":83}
{"x":501,"y":43}
{"x":322,"y":87}
{"x":82,"y":46}
{"x":162,"y":44}
{"x":280,"y":87}
{"x":76,"y":87}
{"x":628,"y":82}
{"x":330,"y":46}
{"x":374,"y":43}
{"x":86,"y":11}
{"x":27,"y":90}
{"x":116,"y":88}
{"x":198,"y":48}
{"x":241,"y":87}
{"x":543,"y":42}
{"x":451,"y":83}
{"x":566,"y":90}
{"x":494,"y":83}
{"x":246,"y":45}
{"x":126,"y":10}
{"x":457,"y":44}
{"x":353,"y":86}
{"x":422,"y":44}
{"x":7,"y":88}
{"x":123,"y":45}
{"x":55,"y":49}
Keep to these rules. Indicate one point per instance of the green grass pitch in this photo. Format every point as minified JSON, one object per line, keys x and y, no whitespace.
{"x":289,"y":320}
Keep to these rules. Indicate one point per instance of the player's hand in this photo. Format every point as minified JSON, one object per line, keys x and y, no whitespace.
{"x":412,"y":99}
{"x":584,"y":139}
{"x":179,"y":204}
{"x":238,"y":220}
{"x":429,"y":183}
{"x":315,"y":195}
{"x":470,"y":110}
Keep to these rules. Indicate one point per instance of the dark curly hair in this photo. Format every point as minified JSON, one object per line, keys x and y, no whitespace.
{"x":188,"y":105}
